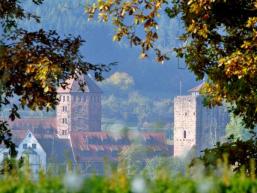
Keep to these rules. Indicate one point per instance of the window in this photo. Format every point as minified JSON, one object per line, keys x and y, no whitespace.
{"x":64,"y":121}
{"x":63,"y":98}
{"x":25,"y":146}
{"x":185,"y":134}
{"x":68,"y":98}
{"x":34,"y":146}
{"x":5,"y":154}
{"x":64,"y":109}
{"x":29,"y":134}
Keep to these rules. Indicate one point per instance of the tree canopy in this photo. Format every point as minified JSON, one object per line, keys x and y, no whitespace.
{"x":34,"y":64}
{"x":219,"y":42}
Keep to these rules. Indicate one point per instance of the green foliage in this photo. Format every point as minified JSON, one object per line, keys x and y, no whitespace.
{"x":239,"y":154}
{"x":134,"y":158}
{"x":119,"y":182}
{"x":126,"y":16}
{"x":132,"y":107}
{"x":236,"y":128}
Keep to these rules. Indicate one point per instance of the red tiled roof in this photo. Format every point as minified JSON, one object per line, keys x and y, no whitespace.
{"x":29,"y":123}
{"x":81,"y":140}
{"x":95,"y":146}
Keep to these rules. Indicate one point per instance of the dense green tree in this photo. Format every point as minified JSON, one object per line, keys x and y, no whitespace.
{"x":34,"y":64}
{"x":236,"y":128}
{"x":135,"y":109}
{"x":239,"y":154}
{"x":219,"y":41}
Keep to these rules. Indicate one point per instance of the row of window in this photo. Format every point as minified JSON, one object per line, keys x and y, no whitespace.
{"x":25,"y":146}
{"x":66,"y":98}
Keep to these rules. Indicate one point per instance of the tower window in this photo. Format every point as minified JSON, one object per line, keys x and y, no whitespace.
{"x":64,"y":121}
{"x":68,"y":98}
{"x":185,"y":134}
{"x":64,"y":109}
{"x":63,"y":98}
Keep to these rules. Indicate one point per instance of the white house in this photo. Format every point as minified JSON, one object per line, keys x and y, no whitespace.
{"x":30,"y":149}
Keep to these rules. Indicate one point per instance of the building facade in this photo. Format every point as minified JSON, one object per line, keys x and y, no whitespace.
{"x":31,"y":151}
{"x":195,"y":125}
{"x":79,"y":107}
{"x":74,"y":135}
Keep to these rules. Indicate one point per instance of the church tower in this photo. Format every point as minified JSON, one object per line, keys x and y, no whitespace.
{"x":78,"y":110}
{"x":195,"y":125}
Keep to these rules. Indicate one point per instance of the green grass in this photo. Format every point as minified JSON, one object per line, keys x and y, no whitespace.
{"x":194,"y":181}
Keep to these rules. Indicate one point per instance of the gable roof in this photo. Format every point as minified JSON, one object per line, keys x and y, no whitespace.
{"x":57,"y":150}
{"x":74,"y":86}
{"x":30,"y":139}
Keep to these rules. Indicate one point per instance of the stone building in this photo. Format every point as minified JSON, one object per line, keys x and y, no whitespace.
{"x":195,"y":125}
{"x":78,"y":110}
{"x":74,"y":135}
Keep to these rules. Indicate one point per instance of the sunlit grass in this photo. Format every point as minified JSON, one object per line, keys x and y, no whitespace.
{"x":194,"y":180}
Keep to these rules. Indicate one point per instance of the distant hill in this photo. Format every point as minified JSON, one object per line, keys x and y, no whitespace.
{"x":149,"y":101}
{"x":151,"y":79}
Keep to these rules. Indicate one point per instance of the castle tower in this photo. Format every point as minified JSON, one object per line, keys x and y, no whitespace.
{"x":195,"y":125}
{"x":78,"y":110}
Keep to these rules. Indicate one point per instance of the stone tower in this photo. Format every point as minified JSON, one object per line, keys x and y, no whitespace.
{"x":195,"y":125}
{"x":78,"y":110}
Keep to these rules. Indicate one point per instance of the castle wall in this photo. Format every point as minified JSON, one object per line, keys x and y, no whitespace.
{"x":86,"y":111}
{"x":95,"y":112}
{"x":80,"y":111}
{"x":211,"y":124}
{"x":197,"y":126}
